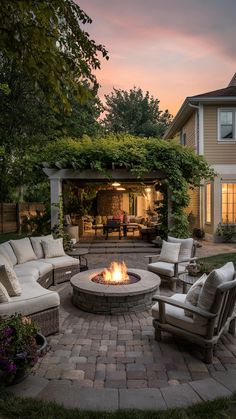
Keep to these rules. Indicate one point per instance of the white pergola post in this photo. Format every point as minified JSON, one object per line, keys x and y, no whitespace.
{"x":56,"y":191}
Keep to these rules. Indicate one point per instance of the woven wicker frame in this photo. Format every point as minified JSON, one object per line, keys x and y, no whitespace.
{"x":46,"y":280}
{"x":47,"y":320}
{"x":65,"y":274}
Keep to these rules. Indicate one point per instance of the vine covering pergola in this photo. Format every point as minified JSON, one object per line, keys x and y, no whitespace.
{"x":174,"y":167}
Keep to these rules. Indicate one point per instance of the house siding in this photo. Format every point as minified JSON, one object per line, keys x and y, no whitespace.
{"x":194,"y":208}
{"x":189,"y":130}
{"x":214,"y":151}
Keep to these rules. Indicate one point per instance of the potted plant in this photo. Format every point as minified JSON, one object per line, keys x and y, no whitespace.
{"x":20,"y":347}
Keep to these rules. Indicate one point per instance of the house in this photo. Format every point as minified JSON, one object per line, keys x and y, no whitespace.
{"x":207,"y":122}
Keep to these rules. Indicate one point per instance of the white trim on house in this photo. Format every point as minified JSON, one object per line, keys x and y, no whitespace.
{"x":224,"y":169}
{"x":201,"y":131}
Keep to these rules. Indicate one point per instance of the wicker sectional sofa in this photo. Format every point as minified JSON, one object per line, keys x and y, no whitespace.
{"x":35,"y":276}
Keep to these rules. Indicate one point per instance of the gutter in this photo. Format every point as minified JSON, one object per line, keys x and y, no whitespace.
{"x":189,"y":102}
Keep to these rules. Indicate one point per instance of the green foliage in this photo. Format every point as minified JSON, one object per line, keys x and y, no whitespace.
{"x":18,"y":348}
{"x":27,"y":124}
{"x":58,"y":230}
{"x":226,"y":231}
{"x":179,"y":166}
{"x":39,"y":224}
{"x":45,"y":40}
{"x":79,"y":202}
{"x":135,"y":113}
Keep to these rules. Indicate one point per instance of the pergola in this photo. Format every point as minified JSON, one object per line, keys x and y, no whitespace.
{"x":57,"y":176}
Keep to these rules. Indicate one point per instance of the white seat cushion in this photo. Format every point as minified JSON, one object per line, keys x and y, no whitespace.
{"x":24,"y":269}
{"x":164,"y":268}
{"x":33,"y":299}
{"x":61,"y":261}
{"x":176,"y":317}
{"x":7,"y":251}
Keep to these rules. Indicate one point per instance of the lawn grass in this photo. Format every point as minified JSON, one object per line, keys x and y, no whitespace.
{"x":213,"y":262}
{"x":15,"y":407}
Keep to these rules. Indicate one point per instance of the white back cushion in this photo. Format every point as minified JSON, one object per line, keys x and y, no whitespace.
{"x":185,"y":248}
{"x":7,"y":251}
{"x":23,"y":250}
{"x":214,"y":279}
{"x":169,"y":252}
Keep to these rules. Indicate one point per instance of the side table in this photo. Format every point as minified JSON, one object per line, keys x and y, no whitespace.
{"x":80,"y":254}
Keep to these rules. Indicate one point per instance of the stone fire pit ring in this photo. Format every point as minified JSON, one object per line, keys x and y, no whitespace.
{"x":114,"y":299}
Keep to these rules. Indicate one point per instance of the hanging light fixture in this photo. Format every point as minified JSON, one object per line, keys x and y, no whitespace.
{"x":115,"y":184}
{"x":120,"y":189}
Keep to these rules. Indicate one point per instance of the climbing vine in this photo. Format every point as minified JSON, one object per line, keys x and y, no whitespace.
{"x":181,"y":168}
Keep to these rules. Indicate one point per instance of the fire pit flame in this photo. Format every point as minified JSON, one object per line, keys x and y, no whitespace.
{"x":116,"y":273}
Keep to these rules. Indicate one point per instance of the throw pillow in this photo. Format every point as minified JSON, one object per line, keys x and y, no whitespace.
{"x":214,"y":279}
{"x":53,"y":248}
{"x":169,"y":252}
{"x":7,"y":251}
{"x":4,"y":261}
{"x":37,"y":244}
{"x":193,"y":293}
{"x":23,"y":250}
{"x":185,"y":248}
{"x":4,"y":297}
{"x":10,"y":281}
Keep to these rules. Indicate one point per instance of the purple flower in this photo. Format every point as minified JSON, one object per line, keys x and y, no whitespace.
{"x":7,"y":332}
{"x":11,"y":367}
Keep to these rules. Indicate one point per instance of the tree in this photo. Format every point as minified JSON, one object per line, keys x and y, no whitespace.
{"x":83,"y":119}
{"x":46,"y":41}
{"x":27,"y":124}
{"x":135,"y":113}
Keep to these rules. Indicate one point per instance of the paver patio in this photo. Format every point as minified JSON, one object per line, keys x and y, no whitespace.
{"x":119,"y":352}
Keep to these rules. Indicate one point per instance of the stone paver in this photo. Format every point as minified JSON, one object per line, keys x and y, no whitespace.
{"x":97,"y":360}
{"x":149,"y":399}
{"x":179,"y":395}
{"x":226,"y":379}
{"x":71,"y":395}
{"x":30,"y":387}
{"x":209,"y":389}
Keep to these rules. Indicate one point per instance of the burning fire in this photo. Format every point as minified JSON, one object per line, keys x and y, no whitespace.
{"x":117,"y":272}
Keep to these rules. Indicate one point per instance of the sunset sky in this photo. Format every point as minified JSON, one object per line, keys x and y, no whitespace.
{"x":172,"y":48}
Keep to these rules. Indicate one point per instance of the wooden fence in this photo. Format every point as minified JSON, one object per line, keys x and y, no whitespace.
{"x":12,"y":215}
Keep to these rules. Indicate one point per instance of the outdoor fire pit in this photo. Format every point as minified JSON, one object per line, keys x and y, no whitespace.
{"x":114,"y":290}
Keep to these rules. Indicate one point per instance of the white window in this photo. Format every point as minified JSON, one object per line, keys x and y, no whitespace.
{"x":208,"y":203}
{"x":226,"y":124}
{"x":228,"y":208}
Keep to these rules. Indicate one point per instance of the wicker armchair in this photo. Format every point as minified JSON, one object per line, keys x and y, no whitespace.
{"x":171,"y":272}
{"x":169,"y":316}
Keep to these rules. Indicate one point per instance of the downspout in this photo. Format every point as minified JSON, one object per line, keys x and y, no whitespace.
{"x":200,"y":151}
